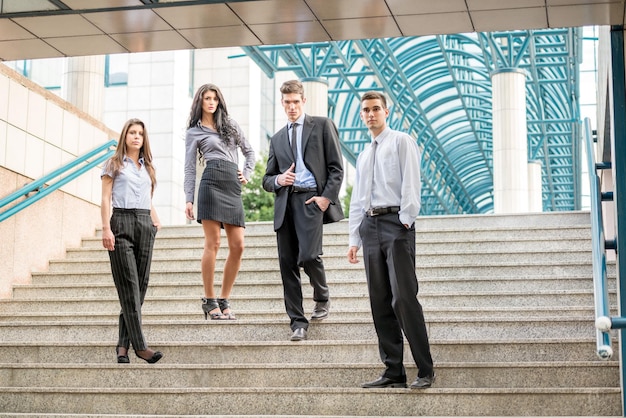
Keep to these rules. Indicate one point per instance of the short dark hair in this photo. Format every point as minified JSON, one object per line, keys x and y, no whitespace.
{"x":292,"y":86}
{"x":373,"y":95}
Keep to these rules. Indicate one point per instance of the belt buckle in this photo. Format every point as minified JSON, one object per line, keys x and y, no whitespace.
{"x":371,"y":212}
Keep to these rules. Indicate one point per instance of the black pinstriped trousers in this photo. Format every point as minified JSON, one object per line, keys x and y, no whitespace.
{"x":130,"y":266}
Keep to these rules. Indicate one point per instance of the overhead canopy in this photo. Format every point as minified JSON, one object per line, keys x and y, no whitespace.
{"x":55,"y":28}
{"x":440,"y":92}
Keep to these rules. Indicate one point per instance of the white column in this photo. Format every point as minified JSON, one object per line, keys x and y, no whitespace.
{"x":316,"y":93}
{"x":84,"y":83}
{"x":535,"y":195}
{"x":510,"y":146}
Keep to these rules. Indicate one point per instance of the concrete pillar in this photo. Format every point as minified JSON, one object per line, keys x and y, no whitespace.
{"x":535,"y":195}
{"x":84,"y":84}
{"x":510,"y":146}
{"x":316,"y":93}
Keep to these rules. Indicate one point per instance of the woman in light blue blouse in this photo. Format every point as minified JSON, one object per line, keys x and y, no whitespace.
{"x":129,"y":226}
{"x":217,"y":138}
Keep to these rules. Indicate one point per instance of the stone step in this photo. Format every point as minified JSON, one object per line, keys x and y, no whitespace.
{"x":557,"y":236}
{"x":310,"y":351}
{"x":556,"y":269}
{"x":424,"y":250}
{"x":191,"y":261}
{"x":316,"y":401}
{"x":329,"y":329}
{"x":337,"y":244}
{"x":450,"y":314}
{"x":426,"y":229}
{"x":193,"y":287}
{"x":450,"y":375}
{"x":529,"y":221}
{"x":491,"y":300}
{"x":495,"y":221}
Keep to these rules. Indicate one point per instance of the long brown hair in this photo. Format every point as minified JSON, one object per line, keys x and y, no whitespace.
{"x":116,"y":162}
{"x":223,"y":124}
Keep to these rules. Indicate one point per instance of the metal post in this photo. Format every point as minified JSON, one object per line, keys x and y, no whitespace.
{"x":618,"y":145}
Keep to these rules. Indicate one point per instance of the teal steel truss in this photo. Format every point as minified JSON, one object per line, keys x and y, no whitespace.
{"x":440,"y":92}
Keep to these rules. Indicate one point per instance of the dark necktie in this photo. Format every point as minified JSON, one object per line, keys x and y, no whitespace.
{"x":294,"y":141}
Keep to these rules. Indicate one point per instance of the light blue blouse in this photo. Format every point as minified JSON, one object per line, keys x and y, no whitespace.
{"x":132,"y":187}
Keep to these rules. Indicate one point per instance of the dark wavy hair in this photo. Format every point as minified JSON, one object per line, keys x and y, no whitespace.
{"x":116,"y":162}
{"x":223,"y":123}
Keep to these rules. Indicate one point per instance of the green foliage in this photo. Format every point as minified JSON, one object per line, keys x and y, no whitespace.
{"x":257,"y":203}
{"x":346,"y":201}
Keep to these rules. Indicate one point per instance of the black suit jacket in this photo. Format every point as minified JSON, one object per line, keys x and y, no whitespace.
{"x":321,"y":155}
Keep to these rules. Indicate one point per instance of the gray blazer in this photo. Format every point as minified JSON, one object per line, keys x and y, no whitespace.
{"x":322,"y":157}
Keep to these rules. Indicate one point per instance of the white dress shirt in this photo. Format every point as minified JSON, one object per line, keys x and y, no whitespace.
{"x":396,"y":181}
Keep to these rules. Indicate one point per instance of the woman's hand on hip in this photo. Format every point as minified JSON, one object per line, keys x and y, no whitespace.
{"x":242,"y":179}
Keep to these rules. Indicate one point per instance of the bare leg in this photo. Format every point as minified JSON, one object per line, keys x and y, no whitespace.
{"x":235,"y":235}
{"x":211,"y":246}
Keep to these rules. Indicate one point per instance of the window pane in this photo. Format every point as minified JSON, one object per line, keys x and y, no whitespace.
{"x":116,"y":70}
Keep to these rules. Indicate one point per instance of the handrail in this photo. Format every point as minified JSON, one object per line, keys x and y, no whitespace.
{"x":600,"y":288}
{"x":45,"y":185}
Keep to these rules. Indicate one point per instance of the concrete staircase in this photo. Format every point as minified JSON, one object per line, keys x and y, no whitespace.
{"x":508,"y":301}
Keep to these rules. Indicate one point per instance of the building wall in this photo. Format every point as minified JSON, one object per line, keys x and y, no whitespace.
{"x":39,"y":133}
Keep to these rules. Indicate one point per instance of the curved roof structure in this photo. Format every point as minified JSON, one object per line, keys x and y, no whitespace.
{"x":440,"y":92}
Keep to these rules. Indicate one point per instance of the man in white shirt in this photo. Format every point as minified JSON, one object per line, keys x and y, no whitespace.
{"x":385,"y":202}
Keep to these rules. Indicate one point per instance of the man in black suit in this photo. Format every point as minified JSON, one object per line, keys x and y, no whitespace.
{"x":306,"y":176}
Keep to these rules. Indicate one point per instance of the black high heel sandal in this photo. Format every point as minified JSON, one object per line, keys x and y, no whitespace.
{"x":224,"y":304}
{"x":122,"y":358}
{"x":156,"y":356}
{"x":210,"y":304}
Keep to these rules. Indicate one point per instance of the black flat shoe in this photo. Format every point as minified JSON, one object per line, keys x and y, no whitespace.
{"x":384,"y":382}
{"x":122,"y":358}
{"x":155,"y":357}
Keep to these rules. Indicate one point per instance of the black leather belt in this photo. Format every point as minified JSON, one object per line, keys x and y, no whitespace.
{"x":139,"y":211}
{"x":296,"y":189}
{"x":382,"y":211}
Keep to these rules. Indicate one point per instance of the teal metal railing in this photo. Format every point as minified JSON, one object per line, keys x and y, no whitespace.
{"x":599,"y":244}
{"x":38,"y":189}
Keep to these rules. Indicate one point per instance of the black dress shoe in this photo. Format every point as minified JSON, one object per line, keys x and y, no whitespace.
{"x":299,"y":334}
{"x":384,"y":382}
{"x":321,"y":310}
{"x":423,"y":382}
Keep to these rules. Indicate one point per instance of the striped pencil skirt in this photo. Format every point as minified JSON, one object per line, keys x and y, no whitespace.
{"x":130,"y":267}
{"x":219,"y":194}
